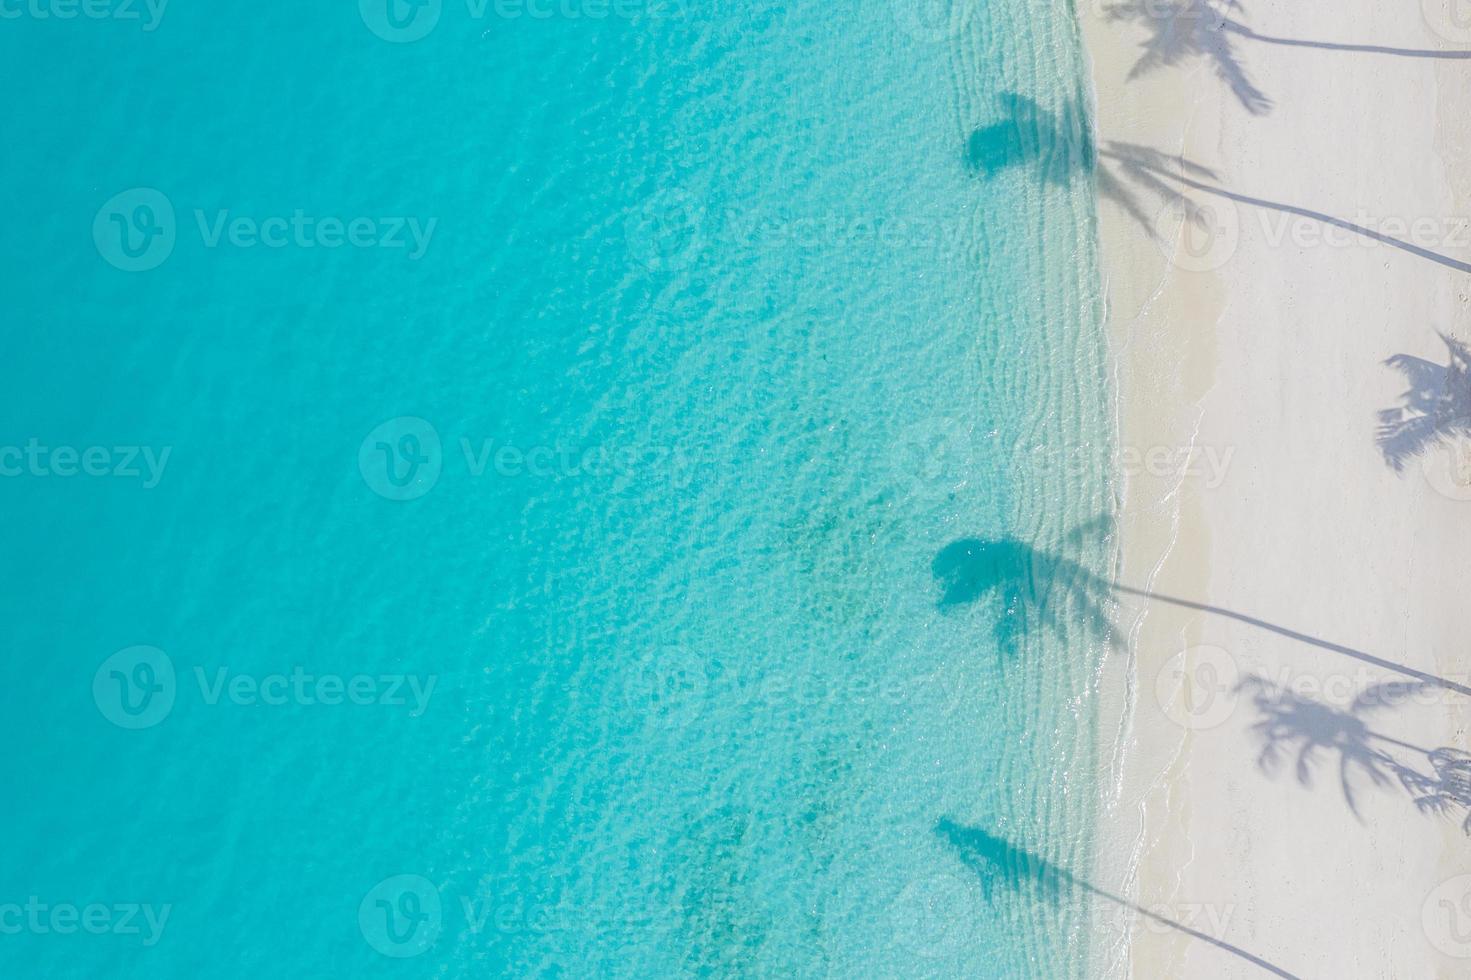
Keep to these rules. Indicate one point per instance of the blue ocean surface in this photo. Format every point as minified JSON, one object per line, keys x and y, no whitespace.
{"x":477,"y":480}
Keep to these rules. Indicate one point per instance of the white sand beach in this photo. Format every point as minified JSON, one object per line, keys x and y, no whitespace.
{"x":1290,"y":788}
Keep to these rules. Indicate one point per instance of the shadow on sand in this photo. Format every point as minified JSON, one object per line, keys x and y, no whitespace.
{"x":1000,"y":863}
{"x":1435,"y":410}
{"x":1312,"y":734}
{"x":1150,"y":169}
{"x":1208,"y":30}
{"x":1186,"y":30}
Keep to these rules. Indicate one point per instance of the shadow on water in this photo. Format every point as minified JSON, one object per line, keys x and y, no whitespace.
{"x":1060,"y":143}
{"x":1034,"y":588}
{"x":1040,"y":589}
{"x":1310,"y":734}
{"x":1000,"y":863}
{"x":1435,"y":409}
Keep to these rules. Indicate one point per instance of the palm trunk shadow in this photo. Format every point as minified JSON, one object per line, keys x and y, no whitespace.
{"x":1347,"y":651}
{"x":1150,"y":166}
{"x":996,"y":860}
{"x":1036,"y":586}
{"x":1243,"y":31}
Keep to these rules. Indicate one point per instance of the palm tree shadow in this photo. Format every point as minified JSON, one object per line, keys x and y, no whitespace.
{"x":1000,"y":864}
{"x":1291,"y":725}
{"x":1040,"y":589}
{"x":1061,"y":143}
{"x":1187,"y":30}
{"x":1436,"y":409}
{"x":1036,"y":589}
{"x":1312,"y":734}
{"x":1182,"y":30}
{"x":1446,"y":788}
{"x":1143,"y":169}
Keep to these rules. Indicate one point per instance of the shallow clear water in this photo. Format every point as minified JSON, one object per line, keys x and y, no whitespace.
{"x":723,"y":328}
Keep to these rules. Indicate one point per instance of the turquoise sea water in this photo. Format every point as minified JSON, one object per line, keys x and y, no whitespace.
{"x":472,"y":476}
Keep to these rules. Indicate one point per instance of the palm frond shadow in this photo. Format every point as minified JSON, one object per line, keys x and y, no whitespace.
{"x":1446,"y":789}
{"x":1208,"y":30}
{"x":1311,"y":735}
{"x":1034,"y":588}
{"x":1183,"y":30}
{"x":1060,"y":144}
{"x":1434,"y":410}
{"x":1306,"y":731}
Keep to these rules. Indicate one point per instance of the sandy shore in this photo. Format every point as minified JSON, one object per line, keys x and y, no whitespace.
{"x":1290,"y":723}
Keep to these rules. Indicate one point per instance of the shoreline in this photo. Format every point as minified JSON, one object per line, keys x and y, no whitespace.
{"x":1311,"y":548}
